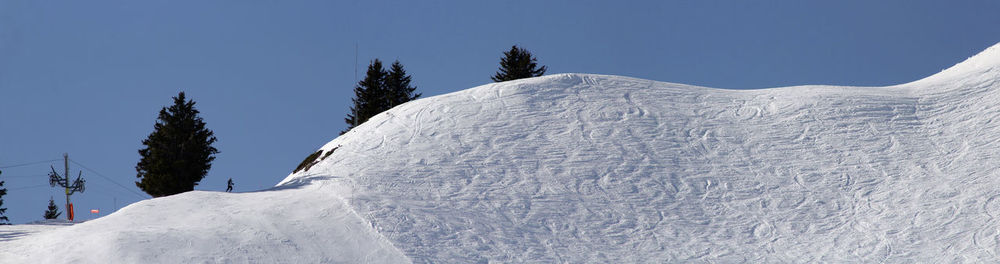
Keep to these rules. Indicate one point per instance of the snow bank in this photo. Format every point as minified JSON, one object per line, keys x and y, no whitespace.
{"x":297,"y":224}
{"x":592,"y":168}
{"x":982,"y":66}
{"x":574,"y":168}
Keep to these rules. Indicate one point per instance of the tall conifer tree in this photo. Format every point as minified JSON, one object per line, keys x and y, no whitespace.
{"x":178,"y":153}
{"x":380,"y":90}
{"x":368,"y":96}
{"x":518,"y":63}
{"x":397,"y":84}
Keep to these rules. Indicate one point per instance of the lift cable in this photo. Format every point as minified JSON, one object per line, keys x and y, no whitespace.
{"x":26,"y":164}
{"x":109,"y":180}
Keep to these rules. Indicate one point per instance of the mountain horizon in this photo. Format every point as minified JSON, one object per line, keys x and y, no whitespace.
{"x":574,"y":168}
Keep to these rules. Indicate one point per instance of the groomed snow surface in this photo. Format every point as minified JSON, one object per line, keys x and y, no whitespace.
{"x":575,"y":168}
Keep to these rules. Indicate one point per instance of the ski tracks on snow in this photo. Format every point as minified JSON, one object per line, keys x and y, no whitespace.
{"x":590,"y":168}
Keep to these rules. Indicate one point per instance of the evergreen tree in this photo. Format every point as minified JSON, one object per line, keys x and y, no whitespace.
{"x":368,"y":96}
{"x":517,"y":64}
{"x":3,"y":191}
{"x":53,"y":211}
{"x":178,"y":153}
{"x":397,"y":84}
{"x":379,"y":91}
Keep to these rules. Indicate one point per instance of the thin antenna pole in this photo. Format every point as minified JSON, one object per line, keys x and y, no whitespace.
{"x":355,"y":62}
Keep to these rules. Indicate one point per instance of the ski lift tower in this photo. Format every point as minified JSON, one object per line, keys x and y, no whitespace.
{"x":77,"y":186}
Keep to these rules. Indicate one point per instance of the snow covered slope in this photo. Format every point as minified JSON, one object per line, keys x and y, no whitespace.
{"x":291,"y":224}
{"x":575,"y":168}
{"x":578,"y":168}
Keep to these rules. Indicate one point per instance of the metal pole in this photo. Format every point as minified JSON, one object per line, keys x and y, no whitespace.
{"x":66,"y":164}
{"x":355,"y":62}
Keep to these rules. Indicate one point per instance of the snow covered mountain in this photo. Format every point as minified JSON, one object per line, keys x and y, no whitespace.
{"x":574,"y":168}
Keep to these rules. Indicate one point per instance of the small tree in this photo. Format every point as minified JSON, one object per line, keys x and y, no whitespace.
{"x":178,"y":153}
{"x":517,"y":64}
{"x":53,"y":211}
{"x":397,"y":84}
{"x":3,"y":191}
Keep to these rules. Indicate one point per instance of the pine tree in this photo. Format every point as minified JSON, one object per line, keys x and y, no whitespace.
{"x":3,"y":191}
{"x":397,"y":84}
{"x":53,"y":211}
{"x":178,"y":153}
{"x":379,"y":91}
{"x":517,"y":64}
{"x":368,"y":96}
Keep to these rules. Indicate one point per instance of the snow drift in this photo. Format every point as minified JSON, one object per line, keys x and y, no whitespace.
{"x":573,"y":168}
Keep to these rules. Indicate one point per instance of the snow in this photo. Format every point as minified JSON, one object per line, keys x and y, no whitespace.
{"x":290,"y":224}
{"x":574,"y":168}
{"x":978,"y":67}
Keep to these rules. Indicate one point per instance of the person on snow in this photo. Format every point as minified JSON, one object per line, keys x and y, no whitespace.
{"x":229,"y":187}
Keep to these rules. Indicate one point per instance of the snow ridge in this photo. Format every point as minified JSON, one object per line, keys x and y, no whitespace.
{"x":593,"y":168}
{"x":986,"y":63}
{"x":579,"y":168}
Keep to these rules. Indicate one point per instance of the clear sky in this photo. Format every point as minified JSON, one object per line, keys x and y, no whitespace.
{"x":274,"y":79}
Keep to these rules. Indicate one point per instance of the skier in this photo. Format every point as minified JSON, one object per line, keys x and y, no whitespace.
{"x":229,"y":187}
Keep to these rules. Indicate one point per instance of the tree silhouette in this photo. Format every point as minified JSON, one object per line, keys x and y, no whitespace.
{"x":53,"y":211}
{"x":517,"y":63}
{"x":380,"y":90}
{"x":3,"y":191}
{"x":178,"y":153}
{"x":397,"y":85}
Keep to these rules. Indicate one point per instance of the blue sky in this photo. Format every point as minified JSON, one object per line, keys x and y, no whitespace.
{"x":273,"y":79}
